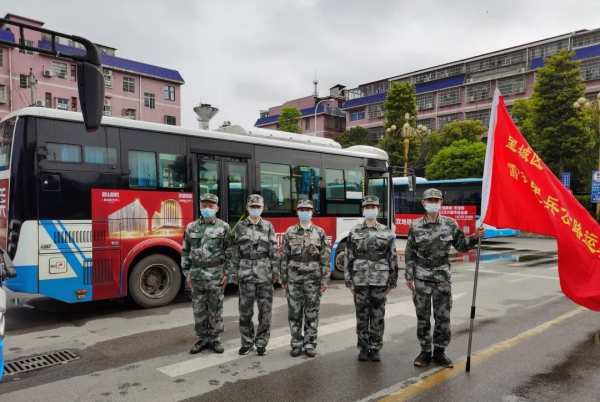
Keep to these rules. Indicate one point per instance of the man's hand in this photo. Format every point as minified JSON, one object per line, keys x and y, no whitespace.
{"x":224,"y":282}
{"x":284,"y":286}
{"x":410,"y":285}
{"x":323,"y":288}
{"x":388,"y":290}
{"x":352,"y":290}
{"x":480,"y":232}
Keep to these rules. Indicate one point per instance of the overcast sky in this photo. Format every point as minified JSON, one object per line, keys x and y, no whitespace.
{"x":247,"y":55}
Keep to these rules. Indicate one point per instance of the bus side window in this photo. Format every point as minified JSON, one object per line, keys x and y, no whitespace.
{"x":275,"y":186}
{"x":142,"y":169}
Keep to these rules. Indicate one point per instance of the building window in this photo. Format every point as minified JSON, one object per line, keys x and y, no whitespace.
{"x":511,"y":86}
{"x":429,"y":123}
{"x":73,"y":103}
{"x":443,"y":120}
{"x":357,"y":115}
{"x":425,"y":101}
{"x":479,"y":91}
{"x":512,"y":58}
{"x":108,"y":78}
{"x":1,"y":58}
{"x":73,"y":72}
{"x":108,"y":109}
{"x":62,"y":103}
{"x":131,"y":113}
{"x":482,"y":115}
{"x":449,"y":96}
{"x":481,"y":65}
{"x":377,"y":133}
{"x":26,"y":43}
{"x":142,"y":169}
{"x":149,"y":100}
{"x":376,"y":111}
{"x":264,"y":113}
{"x":591,"y":96}
{"x":65,"y":153}
{"x":307,"y":123}
{"x":549,"y":49}
{"x":586,"y":39}
{"x":59,"y":70}
{"x":590,"y":69}
{"x":170,"y":120}
{"x":2,"y":93}
{"x":172,"y":170}
{"x":169,"y":93}
{"x":23,"y":81}
{"x":128,"y":84}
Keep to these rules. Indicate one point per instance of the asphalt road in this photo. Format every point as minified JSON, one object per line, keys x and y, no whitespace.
{"x":530,"y":344}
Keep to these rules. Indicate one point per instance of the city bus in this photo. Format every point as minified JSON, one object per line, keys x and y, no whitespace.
{"x":461,"y":197}
{"x":101,"y":215}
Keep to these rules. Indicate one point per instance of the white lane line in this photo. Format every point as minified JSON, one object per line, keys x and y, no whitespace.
{"x":205,"y":361}
{"x":519,"y":280}
{"x":487,"y":271}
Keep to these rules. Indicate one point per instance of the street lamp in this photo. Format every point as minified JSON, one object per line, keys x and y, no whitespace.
{"x":408,"y":133}
{"x":584,"y":104}
{"x":316,"y":107}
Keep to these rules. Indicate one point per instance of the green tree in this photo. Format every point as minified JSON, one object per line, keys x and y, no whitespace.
{"x":459,"y":160}
{"x":400,"y":100}
{"x":289,"y":120}
{"x":355,"y":136}
{"x":560,"y":134}
{"x":469,"y":130}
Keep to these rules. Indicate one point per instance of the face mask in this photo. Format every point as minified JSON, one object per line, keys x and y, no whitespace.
{"x":208,"y":213}
{"x":305,"y":216}
{"x":370,"y":213}
{"x":432,"y":208}
{"x":254,"y":212}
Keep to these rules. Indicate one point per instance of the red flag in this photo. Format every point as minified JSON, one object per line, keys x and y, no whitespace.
{"x":521,"y":192}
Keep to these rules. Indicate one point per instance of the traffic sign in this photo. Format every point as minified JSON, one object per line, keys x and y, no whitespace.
{"x":595,"y":187}
{"x":566,"y":179}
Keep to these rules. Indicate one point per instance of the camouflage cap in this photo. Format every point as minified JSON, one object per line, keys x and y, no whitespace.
{"x":370,"y":200}
{"x":432,"y":193}
{"x":304,"y":203}
{"x":209,"y":197}
{"x":255,"y":199}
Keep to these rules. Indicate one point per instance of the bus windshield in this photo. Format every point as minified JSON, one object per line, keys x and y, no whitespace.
{"x":7,"y":129}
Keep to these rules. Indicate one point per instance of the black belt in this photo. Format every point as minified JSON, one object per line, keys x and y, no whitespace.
{"x":430,"y":262}
{"x":305,"y":258}
{"x":254,"y":255}
{"x":207,"y":264}
{"x":371,"y":256}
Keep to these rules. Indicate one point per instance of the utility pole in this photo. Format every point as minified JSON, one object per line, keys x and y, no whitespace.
{"x":31,"y":82}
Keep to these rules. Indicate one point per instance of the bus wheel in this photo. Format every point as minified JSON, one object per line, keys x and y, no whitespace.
{"x":340,"y":254}
{"x":154,"y":281}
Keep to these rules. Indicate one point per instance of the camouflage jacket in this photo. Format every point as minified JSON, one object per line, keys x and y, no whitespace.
{"x":206,"y":243}
{"x":371,"y":258}
{"x":254,"y":254}
{"x":310,"y":244}
{"x":433,"y":240}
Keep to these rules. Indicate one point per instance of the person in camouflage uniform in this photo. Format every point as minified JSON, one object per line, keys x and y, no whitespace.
{"x":255,"y":265}
{"x":205,"y":261}
{"x":305,"y":271}
{"x":371,"y":271}
{"x":428,"y":274}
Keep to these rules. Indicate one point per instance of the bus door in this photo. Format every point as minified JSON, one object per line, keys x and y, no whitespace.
{"x":227,"y":178}
{"x":378,"y":184}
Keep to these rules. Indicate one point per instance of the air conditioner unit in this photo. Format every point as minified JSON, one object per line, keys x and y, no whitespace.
{"x":108,"y":113}
{"x":428,"y":106}
{"x":107,"y":72}
{"x":48,"y":73}
{"x":522,"y":70}
{"x":106,"y":102}
{"x":471,"y":99}
{"x":39,"y":103}
{"x":62,"y":106}
{"x":470,"y":80}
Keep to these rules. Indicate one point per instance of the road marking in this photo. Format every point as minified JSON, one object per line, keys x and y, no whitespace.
{"x":439,"y":376}
{"x":205,"y":361}
{"x":487,"y":271}
{"x":518,"y":280}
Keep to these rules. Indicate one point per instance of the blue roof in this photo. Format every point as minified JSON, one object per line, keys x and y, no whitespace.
{"x":7,"y":36}
{"x":365,"y":100}
{"x":580,"y":54}
{"x":440,"y":84}
{"x":310,"y":111}
{"x":117,"y":62}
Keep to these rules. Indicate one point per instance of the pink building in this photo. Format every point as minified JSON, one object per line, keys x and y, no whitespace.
{"x":330,"y":119}
{"x":463,"y":90}
{"x":133,"y":90}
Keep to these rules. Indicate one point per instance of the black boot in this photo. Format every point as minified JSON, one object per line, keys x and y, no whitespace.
{"x":423,"y":359}
{"x":363,"y":356}
{"x":199,"y":347}
{"x":375,"y":356}
{"x":217,"y":347}
{"x":440,"y":358}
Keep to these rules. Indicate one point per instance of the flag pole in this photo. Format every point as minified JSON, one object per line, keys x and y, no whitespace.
{"x":468,"y":366}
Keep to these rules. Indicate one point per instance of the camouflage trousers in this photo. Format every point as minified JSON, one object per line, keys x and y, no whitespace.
{"x":207,"y":304}
{"x":441,"y":295}
{"x":304,"y":299}
{"x":370,"y":316}
{"x":262,"y":294}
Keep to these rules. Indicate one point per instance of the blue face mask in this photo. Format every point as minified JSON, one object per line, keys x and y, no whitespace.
{"x":305,"y":216}
{"x":208,"y":213}
{"x":370,"y":213}
{"x":254,"y":212}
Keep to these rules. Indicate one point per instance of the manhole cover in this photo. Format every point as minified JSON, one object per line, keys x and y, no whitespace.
{"x":38,"y":362}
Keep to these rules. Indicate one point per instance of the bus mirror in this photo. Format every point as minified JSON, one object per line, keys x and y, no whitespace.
{"x":91,"y":94}
{"x":412,"y":182}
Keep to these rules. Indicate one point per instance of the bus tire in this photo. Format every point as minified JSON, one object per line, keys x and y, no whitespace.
{"x":338,"y":269}
{"x":155,"y":281}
